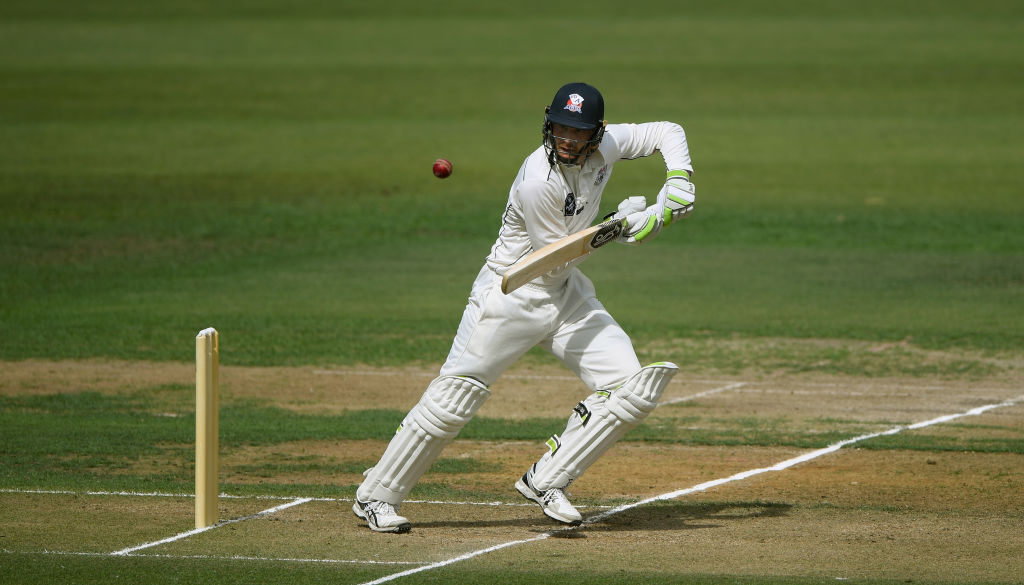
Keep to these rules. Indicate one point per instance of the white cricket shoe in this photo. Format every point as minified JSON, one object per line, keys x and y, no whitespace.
{"x":553,"y":501}
{"x":381,"y":516}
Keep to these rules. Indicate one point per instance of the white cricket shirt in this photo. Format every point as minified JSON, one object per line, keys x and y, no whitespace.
{"x":546,"y":204}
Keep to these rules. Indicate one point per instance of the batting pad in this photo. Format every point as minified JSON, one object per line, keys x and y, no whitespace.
{"x":448,"y":403}
{"x":599,"y":422}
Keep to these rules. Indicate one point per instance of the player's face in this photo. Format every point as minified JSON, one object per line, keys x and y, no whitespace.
{"x":570,"y":143}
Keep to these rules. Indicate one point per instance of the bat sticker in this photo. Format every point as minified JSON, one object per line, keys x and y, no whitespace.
{"x":606,"y":234}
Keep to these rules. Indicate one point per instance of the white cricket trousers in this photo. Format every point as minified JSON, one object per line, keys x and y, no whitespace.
{"x":495,"y":331}
{"x":567,"y":320}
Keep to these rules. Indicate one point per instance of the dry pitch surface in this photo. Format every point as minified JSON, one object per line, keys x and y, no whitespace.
{"x":853,"y":513}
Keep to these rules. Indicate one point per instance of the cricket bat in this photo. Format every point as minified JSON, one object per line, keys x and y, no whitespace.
{"x":557,"y":254}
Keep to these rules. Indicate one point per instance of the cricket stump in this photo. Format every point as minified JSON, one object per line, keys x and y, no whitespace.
{"x":207,"y":414}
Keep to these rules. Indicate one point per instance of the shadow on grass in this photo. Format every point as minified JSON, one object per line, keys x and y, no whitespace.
{"x":661,"y":516}
{"x":483,"y":523}
{"x":687,"y":515}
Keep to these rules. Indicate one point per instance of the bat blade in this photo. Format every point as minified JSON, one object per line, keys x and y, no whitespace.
{"x":557,"y":254}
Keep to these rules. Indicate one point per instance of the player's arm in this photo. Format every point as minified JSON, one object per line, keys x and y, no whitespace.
{"x":641,"y":140}
{"x":677,"y":195}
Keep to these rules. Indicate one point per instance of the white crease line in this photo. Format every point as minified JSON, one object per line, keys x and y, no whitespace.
{"x":800,"y":459}
{"x":171,"y":495}
{"x":704,"y":393}
{"x":153,"y":494}
{"x":701,"y":487}
{"x":260,"y":497}
{"x":492,"y":504}
{"x":386,"y":373}
{"x":193,"y":532}
{"x":457,"y":559}
{"x":892,"y":385}
{"x":102,"y":493}
{"x":788,"y":392}
{"x":214,"y":557}
{"x":505,"y":376}
{"x":882,"y":391}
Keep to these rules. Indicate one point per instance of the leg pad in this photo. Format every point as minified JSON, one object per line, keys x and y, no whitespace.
{"x":446,"y":406}
{"x":599,"y":422}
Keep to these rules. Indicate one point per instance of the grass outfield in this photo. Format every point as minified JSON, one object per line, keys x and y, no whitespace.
{"x":267,"y":172}
{"x":263,"y":168}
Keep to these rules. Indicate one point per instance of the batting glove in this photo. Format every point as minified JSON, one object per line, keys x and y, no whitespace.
{"x":675,"y":200}
{"x":629,"y":205}
{"x":641,"y":226}
{"x":641,"y":223}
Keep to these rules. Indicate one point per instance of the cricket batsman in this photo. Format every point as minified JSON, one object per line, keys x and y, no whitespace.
{"x":556,"y":192}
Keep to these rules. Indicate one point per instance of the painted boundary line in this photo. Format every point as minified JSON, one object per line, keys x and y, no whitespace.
{"x":782,"y":465}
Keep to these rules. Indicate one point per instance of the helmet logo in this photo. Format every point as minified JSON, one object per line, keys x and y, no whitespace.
{"x":575,"y":103}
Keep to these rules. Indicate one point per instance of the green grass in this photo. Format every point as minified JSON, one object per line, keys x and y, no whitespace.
{"x":42,"y":568}
{"x":264,"y":170}
{"x":934,"y":442}
{"x":262,"y":167}
{"x":89,"y":440}
{"x":50,"y":568}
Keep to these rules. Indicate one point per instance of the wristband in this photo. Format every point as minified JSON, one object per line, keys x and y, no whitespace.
{"x":679,"y":173}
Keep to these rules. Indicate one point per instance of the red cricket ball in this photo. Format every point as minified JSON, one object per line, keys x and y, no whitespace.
{"x":442,"y":168}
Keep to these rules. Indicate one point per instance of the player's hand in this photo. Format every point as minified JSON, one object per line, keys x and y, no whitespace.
{"x":641,"y":226}
{"x":675,"y":200}
{"x":629,"y":205}
{"x":641,"y":222}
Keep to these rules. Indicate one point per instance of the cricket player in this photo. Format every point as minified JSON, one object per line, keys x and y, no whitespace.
{"x":556,"y":192}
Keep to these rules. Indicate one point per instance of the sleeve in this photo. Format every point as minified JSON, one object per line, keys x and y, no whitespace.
{"x":640,"y":140}
{"x":542,"y":207}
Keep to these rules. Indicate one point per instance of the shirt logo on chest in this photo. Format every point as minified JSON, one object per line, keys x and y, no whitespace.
{"x":571,"y":206}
